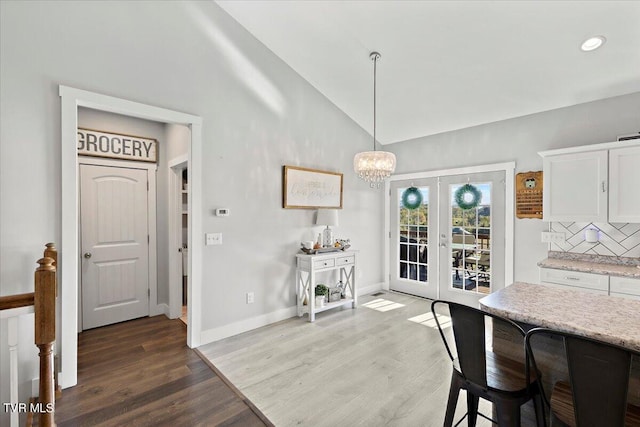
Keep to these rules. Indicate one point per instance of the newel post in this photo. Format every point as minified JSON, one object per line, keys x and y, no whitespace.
{"x":50,"y":251}
{"x":45,"y":335}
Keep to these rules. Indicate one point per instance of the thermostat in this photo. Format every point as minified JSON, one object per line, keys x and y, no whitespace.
{"x":222,"y":212}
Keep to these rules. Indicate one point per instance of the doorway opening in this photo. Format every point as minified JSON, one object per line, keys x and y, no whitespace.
{"x":71,"y":99}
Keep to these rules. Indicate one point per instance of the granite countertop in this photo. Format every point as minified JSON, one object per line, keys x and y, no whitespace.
{"x":602,"y":317}
{"x":612,"y":266}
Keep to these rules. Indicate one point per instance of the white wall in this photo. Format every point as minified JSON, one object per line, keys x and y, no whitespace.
{"x":520,"y":139}
{"x":258,"y":115}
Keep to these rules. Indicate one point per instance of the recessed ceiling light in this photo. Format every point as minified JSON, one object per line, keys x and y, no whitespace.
{"x":592,"y":43}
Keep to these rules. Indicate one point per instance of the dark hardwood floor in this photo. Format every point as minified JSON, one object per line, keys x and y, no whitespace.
{"x":141,"y":373}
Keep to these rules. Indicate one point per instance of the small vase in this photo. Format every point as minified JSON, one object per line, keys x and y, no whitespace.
{"x":320,"y":301}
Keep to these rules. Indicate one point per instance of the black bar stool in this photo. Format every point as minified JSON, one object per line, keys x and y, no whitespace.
{"x":483,"y":373}
{"x":597,"y":390}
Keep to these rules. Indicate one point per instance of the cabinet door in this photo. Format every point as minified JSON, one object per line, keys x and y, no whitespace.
{"x":575,"y":187}
{"x":624,"y":183}
{"x":625,"y":287}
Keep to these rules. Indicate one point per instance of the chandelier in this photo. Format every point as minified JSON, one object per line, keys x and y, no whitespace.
{"x":374,"y":166}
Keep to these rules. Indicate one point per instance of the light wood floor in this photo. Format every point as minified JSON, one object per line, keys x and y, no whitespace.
{"x":359,"y":367}
{"x":141,"y":373}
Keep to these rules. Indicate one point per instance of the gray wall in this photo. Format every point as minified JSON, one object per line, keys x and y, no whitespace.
{"x":258,"y":115}
{"x":520,"y":139}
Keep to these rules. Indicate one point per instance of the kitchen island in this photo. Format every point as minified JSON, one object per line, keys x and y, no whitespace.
{"x":606,"y":318}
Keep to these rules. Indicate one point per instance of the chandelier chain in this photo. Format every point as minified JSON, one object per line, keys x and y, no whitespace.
{"x":375,"y":64}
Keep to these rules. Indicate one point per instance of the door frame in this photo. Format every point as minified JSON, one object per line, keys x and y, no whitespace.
{"x":71,"y":99}
{"x":509,"y":173}
{"x":175,"y":168}
{"x":151,"y":168}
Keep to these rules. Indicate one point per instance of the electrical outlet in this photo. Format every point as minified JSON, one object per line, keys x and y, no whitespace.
{"x":250,"y":297}
{"x":553,"y":237}
{"x":213,"y":239}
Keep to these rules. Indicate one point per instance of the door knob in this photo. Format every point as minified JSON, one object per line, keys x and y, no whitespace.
{"x":87,"y":255}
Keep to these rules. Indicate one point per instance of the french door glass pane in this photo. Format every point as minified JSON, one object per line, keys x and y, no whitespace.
{"x":413,"y":238}
{"x":471,"y":242}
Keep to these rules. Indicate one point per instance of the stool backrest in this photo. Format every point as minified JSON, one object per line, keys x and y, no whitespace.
{"x":469,"y":332}
{"x":598,"y":374}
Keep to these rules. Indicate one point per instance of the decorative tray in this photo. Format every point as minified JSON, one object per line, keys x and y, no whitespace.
{"x":325,"y":250}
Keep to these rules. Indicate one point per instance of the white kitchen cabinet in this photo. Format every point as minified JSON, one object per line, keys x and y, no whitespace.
{"x":624,"y":184}
{"x":624,"y":287}
{"x":586,"y":282}
{"x":594,"y":183}
{"x":616,"y":286}
{"x":575,"y":187}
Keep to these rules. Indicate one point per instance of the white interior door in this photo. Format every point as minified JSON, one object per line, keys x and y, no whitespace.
{"x":471,"y":237}
{"x":414,"y":237}
{"x":115,"y":247}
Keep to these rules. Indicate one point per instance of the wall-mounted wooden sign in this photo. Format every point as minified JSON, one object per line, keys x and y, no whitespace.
{"x":529,"y":195}
{"x":116,"y":146}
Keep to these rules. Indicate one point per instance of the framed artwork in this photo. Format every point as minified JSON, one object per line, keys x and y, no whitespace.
{"x":304,"y":188}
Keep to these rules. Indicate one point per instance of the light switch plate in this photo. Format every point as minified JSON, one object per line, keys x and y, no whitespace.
{"x":553,"y":237}
{"x":213,"y":239}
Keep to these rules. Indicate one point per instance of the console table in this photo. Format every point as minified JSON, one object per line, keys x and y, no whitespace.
{"x":307,"y":269}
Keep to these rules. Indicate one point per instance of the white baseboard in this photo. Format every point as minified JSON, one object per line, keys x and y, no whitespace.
{"x":236,"y":328}
{"x":155,"y":310}
{"x":369,"y":289}
{"x":226,"y":331}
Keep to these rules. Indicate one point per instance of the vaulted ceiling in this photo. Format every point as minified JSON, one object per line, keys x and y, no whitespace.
{"x":449,"y":65}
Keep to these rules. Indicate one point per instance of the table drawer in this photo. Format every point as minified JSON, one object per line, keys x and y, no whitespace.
{"x":319,"y":264}
{"x":625,"y":285}
{"x":346,"y":260}
{"x":595,"y":282}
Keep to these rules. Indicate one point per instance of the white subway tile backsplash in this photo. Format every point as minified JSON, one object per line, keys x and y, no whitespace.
{"x":633,"y":252}
{"x":630,"y":229}
{"x":621,"y":240}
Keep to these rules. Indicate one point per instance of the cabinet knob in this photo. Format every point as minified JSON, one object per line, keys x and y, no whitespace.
{"x":87,"y":255}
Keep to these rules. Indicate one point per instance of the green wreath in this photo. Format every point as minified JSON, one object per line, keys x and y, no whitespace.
{"x":461,"y":195}
{"x":411,"y":198}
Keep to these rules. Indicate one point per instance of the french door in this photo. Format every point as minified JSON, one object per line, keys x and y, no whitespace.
{"x":451,"y":245}
{"x":414,"y":237}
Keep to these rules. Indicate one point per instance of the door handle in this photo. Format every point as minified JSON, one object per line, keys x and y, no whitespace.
{"x":87,"y":255}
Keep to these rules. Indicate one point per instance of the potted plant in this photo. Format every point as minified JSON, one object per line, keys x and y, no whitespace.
{"x":321,"y":294}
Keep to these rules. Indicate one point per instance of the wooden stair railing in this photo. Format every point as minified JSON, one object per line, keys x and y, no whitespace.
{"x":44,"y":301}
